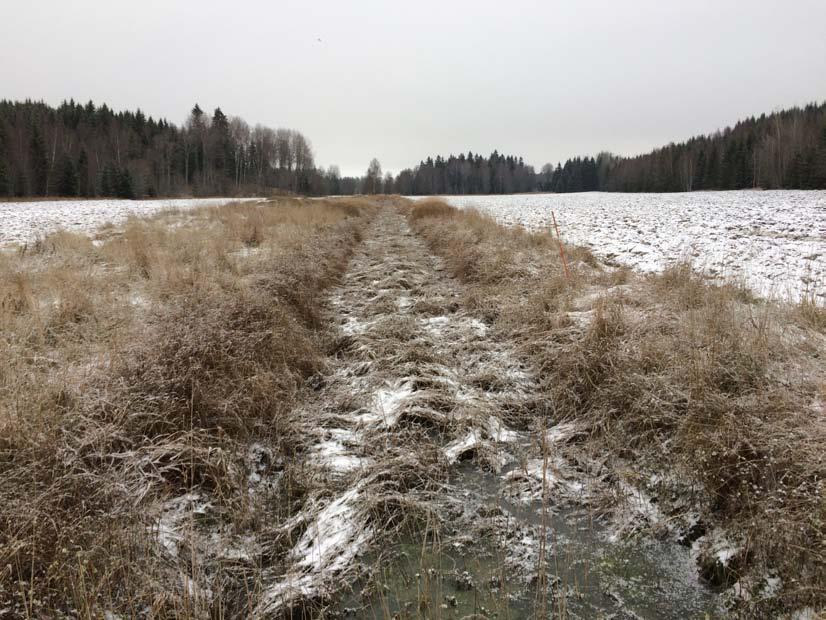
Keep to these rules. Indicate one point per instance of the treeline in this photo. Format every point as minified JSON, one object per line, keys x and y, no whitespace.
{"x":784,"y":150}
{"x":467,"y":174}
{"x":88,"y":150}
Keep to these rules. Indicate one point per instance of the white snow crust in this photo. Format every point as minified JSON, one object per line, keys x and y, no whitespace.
{"x":21,"y":222}
{"x":773,"y":241}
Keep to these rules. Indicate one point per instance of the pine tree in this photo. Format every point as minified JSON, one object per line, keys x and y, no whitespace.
{"x":67,"y":181}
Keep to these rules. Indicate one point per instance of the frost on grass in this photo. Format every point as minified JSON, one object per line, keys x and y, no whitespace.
{"x":456,"y":449}
{"x":172,"y":522}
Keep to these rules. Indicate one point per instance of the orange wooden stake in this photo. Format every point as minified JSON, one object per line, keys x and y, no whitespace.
{"x":561,"y":249}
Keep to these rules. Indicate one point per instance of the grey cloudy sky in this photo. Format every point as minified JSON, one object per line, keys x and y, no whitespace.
{"x":403,"y":80}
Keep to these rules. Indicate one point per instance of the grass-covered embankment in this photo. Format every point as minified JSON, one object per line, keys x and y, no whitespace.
{"x":147,"y":377}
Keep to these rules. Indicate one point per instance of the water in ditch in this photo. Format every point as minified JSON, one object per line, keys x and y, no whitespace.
{"x":484,"y":562}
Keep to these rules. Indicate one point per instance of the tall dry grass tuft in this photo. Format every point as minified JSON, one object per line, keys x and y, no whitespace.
{"x":695,"y":382}
{"x":16,"y":295}
{"x":812,"y":312}
{"x":431,"y":207}
{"x":135,"y":375}
{"x":140,"y":244}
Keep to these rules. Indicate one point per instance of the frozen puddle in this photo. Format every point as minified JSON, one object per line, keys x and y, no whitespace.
{"x":488,"y":561}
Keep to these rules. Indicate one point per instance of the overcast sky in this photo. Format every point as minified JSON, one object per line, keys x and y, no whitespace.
{"x":404,"y":80}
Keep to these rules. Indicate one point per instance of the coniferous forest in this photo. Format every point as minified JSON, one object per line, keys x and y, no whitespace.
{"x":783,"y":150}
{"x":90,"y":151}
{"x":467,"y":174}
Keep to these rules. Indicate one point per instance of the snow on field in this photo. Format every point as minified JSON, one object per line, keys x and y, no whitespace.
{"x":23,"y":221}
{"x":775,"y":241}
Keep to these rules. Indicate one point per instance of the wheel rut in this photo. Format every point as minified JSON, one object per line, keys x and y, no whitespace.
{"x":425,"y":410}
{"x":415,"y":386}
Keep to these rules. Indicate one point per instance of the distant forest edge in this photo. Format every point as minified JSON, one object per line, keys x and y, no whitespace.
{"x":91,"y":151}
{"x":88,"y":150}
{"x":783,"y":150}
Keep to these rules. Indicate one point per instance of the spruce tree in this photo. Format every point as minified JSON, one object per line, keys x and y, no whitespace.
{"x":108,"y":180}
{"x":5,"y":183}
{"x":67,"y":182}
{"x":39,"y":163}
{"x":20,"y":185}
{"x":223,"y":157}
{"x":743,"y":172}
{"x":700,"y":174}
{"x":712,"y":176}
{"x":819,"y":163}
{"x":83,"y":174}
{"x":124,"y":188}
{"x":5,"y":180}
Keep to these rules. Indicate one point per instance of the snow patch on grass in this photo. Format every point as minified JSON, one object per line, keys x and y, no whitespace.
{"x":387,"y":403}
{"x":334,"y":455}
{"x":175,"y":512}
{"x":330,"y":544}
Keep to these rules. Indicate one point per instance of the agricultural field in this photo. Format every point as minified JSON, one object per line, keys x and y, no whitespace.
{"x":772,"y":241}
{"x":22,"y":222}
{"x":381,"y":408}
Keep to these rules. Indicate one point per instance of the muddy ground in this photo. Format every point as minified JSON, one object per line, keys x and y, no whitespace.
{"x":441,"y":484}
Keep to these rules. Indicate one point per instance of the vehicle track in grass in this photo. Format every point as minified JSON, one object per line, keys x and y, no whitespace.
{"x":415,"y":384}
{"x":426,"y":411}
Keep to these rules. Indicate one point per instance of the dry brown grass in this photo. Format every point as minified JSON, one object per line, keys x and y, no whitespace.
{"x":693,"y":381}
{"x":141,"y":368}
{"x":812,"y":312}
{"x":431,"y":207}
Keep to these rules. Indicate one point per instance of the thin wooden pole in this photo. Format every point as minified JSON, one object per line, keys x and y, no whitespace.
{"x":561,"y":249}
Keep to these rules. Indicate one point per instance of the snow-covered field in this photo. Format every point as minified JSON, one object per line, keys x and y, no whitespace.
{"x":23,"y":221}
{"x":773,"y":240}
